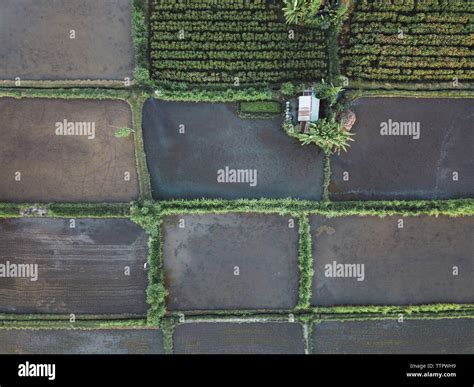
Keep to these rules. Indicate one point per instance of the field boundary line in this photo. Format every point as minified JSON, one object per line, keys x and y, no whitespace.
{"x":305,"y":262}
{"x":136,"y":102}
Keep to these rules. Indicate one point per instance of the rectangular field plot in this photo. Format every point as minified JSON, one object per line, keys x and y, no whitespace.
{"x":66,"y":151}
{"x":66,"y":40}
{"x":448,"y":336}
{"x":88,"y":342}
{"x":409,"y":41}
{"x":407,"y":148}
{"x":197,"y":150}
{"x":392,"y":260}
{"x":222,"y":41}
{"x":232,"y":261}
{"x":239,"y":338}
{"x":95,"y":268}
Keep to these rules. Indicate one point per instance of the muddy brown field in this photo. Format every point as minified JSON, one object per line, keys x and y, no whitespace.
{"x":445,"y":336}
{"x":232,"y":261}
{"x":243,"y":338}
{"x":68,"y":341}
{"x":37,"y":45}
{"x":81,"y":270}
{"x":435,"y":163}
{"x":429,"y":260}
{"x":38,"y":163}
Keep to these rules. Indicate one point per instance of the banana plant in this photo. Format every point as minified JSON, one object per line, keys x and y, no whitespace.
{"x":328,"y":135}
{"x":295,"y":11}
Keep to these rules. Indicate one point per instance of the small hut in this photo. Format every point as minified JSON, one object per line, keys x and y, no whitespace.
{"x":308,"y":109}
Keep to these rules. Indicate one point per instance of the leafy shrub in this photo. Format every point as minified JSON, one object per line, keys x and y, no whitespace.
{"x":123,"y":132}
{"x":328,"y":91}
{"x":327,"y":134}
{"x":288,"y":89}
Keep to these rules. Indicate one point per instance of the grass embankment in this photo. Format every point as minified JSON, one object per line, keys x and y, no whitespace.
{"x":305,"y":263}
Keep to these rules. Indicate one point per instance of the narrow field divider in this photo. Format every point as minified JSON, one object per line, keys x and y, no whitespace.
{"x":305,"y":262}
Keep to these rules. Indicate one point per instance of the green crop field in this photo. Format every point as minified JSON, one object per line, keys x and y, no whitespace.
{"x":410,"y":41}
{"x":224,"y":42}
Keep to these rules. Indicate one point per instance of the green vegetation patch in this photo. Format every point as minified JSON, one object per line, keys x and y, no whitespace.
{"x":66,"y":210}
{"x":140,"y":41}
{"x":457,"y":207}
{"x":184,"y":94}
{"x":10,"y":210}
{"x":74,"y":93}
{"x":149,"y":219}
{"x":305,"y":263}
{"x":136,"y":102}
{"x":263,"y":107}
{"x":379,"y":312}
{"x":89,"y":210}
{"x":79,"y":324}
{"x":156,"y":291}
{"x":259,"y":109}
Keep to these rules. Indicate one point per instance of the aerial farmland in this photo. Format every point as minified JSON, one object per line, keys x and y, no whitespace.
{"x":236,"y":177}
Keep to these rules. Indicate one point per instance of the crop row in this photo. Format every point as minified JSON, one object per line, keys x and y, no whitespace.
{"x":354,"y":53}
{"x":213,"y":16}
{"x":192,"y":47}
{"x":216,"y":65}
{"x":398,"y":74}
{"x":236,"y":37}
{"x":245,"y":77}
{"x":216,"y":4}
{"x":164,"y":54}
{"x":446,"y":17}
{"x":415,"y":5}
{"x":415,"y":28}
{"x":414,"y":40}
{"x":232,"y":26}
{"x":414,"y":62}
